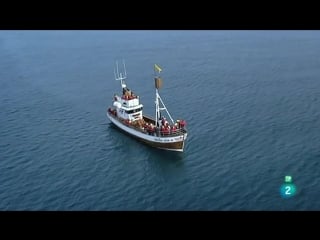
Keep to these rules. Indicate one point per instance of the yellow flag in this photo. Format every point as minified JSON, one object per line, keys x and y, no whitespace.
{"x":157,"y":68}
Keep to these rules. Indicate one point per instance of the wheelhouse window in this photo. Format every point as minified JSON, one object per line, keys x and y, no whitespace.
{"x":134,"y":110}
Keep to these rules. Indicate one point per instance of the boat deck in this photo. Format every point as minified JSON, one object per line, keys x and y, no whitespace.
{"x":149,"y":120}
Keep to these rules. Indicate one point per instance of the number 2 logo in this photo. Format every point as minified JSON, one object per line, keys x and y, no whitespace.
{"x":288,"y":188}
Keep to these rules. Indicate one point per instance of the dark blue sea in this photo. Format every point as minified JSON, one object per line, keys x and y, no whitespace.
{"x":251,"y":100}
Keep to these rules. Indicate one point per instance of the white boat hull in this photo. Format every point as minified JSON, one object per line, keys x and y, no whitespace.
{"x":171,"y":143}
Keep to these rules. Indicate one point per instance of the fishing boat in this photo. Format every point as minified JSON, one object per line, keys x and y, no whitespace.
{"x":127,"y":114}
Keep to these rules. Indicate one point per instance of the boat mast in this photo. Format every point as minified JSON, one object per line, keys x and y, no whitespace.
{"x":164,"y":108}
{"x":158,"y":84}
{"x":119,"y":76}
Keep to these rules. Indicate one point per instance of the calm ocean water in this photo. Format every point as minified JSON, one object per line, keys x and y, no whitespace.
{"x":250,"y":98}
